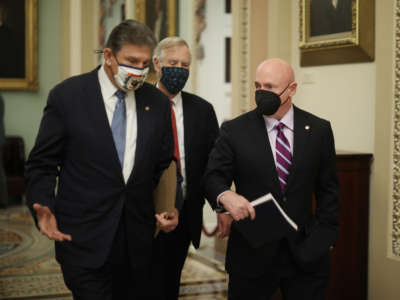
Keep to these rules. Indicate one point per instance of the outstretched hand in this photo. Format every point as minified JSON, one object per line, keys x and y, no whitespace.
{"x":48,"y":224}
{"x":167,"y":221}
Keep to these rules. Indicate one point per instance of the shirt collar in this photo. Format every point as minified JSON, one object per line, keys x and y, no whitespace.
{"x":107,"y":88}
{"x":177,"y":99}
{"x":287,"y":120}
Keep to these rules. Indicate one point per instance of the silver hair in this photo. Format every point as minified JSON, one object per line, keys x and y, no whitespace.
{"x":168,"y":42}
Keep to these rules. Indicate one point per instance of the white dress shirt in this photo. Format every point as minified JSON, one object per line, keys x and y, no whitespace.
{"x":178,"y":110}
{"x":270,"y":124}
{"x":110,"y":99}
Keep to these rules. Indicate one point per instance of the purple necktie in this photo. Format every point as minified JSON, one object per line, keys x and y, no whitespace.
{"x":283,"y":156}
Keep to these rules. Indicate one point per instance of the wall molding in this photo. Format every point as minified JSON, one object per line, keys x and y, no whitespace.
{"x":240,"y":58}
{"x":396,"y":141}
{"x":244,"y":71}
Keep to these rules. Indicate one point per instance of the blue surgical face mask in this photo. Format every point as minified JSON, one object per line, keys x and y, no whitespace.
{"x":174,"y":78}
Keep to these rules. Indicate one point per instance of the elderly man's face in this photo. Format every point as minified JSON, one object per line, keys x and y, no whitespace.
{"x":177,"y":56}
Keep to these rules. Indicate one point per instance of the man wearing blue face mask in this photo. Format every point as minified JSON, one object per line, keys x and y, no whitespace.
{"x":104,"y":139}
{"x":195,"y":129}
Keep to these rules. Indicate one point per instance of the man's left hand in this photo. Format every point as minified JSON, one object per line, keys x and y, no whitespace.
{"x":167,"y":221}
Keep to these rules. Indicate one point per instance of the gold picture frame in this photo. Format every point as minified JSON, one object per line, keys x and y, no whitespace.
{"x":324,"y":43}
{"x":163,"y":24}
{"x":28,"y":79}
{"x":168,"y":9}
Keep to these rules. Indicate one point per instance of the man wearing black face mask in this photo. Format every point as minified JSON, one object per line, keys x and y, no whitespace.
{"x":104,"y":139}
{"x":279,"y":149}
{"x":195,"y":129}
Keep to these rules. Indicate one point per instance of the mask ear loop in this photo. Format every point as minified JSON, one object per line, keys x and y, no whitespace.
{"x":287,"y":99}
{"x":285,"y":89}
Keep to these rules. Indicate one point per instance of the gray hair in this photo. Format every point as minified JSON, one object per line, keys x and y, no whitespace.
{"x":130,"y":32}
{"x":168,"y":42}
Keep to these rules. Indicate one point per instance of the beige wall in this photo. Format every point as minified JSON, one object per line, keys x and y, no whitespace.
{"x":358,"y":100}
{"x":79,"y":36}
{"x":343,"y":94}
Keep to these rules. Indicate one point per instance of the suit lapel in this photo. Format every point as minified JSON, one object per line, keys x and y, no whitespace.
{"x":97,"y":113}
{"x":266,"y":157}
{"x":300,"y":140}
{"x":189,"y":122}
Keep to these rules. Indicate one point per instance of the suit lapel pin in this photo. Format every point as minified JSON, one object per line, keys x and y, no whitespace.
{"x":307,"y":127}
{"x":147,"y":108}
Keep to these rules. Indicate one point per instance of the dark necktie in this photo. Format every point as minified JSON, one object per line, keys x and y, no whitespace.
{"x":283,"y":156}
{"x":118,"y":125}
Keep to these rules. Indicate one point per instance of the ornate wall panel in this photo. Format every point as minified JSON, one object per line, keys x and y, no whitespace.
{"x":396,"y":144}
{"x":244,"y":17}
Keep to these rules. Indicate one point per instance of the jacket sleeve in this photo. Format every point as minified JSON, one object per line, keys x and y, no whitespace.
{"x":322,"y":233}
{"x":220,"y":168}
{"x":213,"y":129}
{"x":45,"y":160}
{"x":327,"y":185}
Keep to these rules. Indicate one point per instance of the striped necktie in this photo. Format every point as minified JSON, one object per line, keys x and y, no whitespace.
{"x":118,"y":125}
{"x":283,"y":156}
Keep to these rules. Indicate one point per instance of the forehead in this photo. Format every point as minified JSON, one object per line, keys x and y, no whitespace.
{"x":176,"y":52}
{"x":273,"y":74}
{"x":140,"y":52}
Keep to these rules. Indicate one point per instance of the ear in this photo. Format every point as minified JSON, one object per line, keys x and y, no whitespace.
{"x":156,"y":64}
{"x":293,"y":88}
{"x":107,"y":56}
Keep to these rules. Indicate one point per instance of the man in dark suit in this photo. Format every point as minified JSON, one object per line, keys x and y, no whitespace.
{"x":106,"y":137}
{"x":279,"y":149}
{"x":195,"y":129}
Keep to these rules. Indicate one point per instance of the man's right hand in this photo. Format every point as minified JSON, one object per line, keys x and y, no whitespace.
{"x":224,"y":225}
{"x":238,"y":206}
{"x":48,"y":224}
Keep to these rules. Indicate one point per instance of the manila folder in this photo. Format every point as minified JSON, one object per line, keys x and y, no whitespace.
{"x":165,"y":191}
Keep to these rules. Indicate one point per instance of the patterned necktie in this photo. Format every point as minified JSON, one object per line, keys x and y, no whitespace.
{"x":118,"y":125}
{"x":283,"y":156}
{"x":175,"y":133}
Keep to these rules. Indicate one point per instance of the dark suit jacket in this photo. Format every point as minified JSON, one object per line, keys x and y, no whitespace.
{"x":243,"y":154}
{"x":75,"y":145}
{"x":200,"y":131}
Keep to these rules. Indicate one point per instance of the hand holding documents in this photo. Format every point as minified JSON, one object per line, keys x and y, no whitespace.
{"x":271,"y":222}
{"x":165,"y":192}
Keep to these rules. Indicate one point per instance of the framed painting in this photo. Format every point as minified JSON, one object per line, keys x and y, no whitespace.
{"x":18,"y":39}
{"x":160,"y":15}
{"x":336,"y":31}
